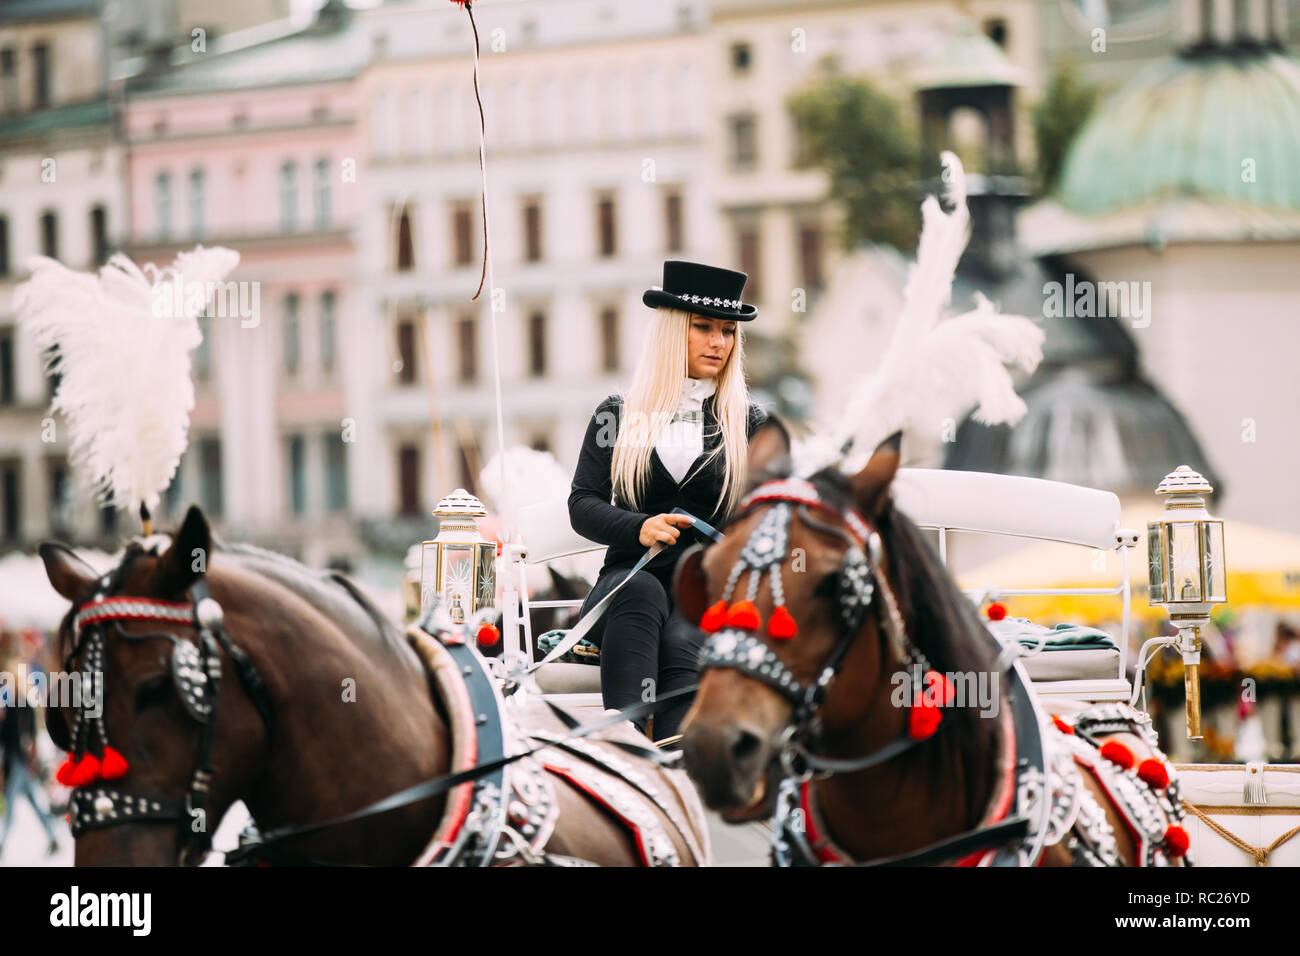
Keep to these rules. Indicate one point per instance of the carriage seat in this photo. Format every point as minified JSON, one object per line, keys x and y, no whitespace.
{"x":1069,"y":651}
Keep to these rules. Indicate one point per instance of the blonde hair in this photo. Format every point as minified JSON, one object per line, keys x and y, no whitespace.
{"x":649,"y":405}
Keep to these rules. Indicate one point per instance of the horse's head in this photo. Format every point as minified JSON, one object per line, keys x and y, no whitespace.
{"x":151,"y":777}
{"x":809,"y":541}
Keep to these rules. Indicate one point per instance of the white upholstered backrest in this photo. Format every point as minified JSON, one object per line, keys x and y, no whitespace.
{"x":1008,"y":504}
{"x":546,"y":532}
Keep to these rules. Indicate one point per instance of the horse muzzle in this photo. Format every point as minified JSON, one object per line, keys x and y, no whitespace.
{"x":732,"y":767}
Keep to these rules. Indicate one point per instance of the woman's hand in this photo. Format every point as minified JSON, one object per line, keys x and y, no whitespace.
{"x":663,"y":528}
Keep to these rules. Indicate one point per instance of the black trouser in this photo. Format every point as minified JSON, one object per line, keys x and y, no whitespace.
{"x":646,"y":649}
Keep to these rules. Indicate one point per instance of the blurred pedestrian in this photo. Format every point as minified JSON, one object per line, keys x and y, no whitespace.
{"x":21,"y":770}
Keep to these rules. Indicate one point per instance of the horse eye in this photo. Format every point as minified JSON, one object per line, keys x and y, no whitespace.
{"x":827,"y":587}
{"x":152,"y":692}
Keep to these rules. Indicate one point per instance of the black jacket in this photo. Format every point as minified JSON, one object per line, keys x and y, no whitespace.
{"x":592,"y":514}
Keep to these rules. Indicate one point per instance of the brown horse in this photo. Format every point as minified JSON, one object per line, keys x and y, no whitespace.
{"x":350,"y":713}
{"x":746,"y":735}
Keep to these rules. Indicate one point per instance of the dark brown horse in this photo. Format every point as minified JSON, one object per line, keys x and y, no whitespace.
{"x":353,"y":713}
{"x":932,"y":789}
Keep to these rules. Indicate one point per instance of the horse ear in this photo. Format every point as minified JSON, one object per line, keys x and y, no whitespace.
{"x":566,"y":588}
{"x":871,"y":486}
{"x":187,"y":559}
{"x":690,"y":591}
{"x":70,"y":576}
{"x":769,"y":451}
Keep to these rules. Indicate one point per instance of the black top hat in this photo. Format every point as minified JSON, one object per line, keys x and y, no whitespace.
{"x":702,"y":290}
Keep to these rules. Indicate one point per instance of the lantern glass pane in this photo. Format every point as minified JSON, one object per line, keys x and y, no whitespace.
{"x":458,"y":581}
{"x":1155,"y":564}
{"x":487,"y":575}
{"x":428,"y":573}
{"x":1185,"y":562}
{"x":1216,"y":589}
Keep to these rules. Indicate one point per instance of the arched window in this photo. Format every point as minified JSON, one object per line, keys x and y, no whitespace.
{"x":405,"y":258}
{"x":322,"y":191}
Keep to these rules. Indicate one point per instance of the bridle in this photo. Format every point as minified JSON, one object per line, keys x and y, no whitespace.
{"x":734,"y":643}
{"x":196,"y":671}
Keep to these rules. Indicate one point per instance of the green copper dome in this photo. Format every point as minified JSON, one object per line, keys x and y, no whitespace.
{"x":1187,"y":126}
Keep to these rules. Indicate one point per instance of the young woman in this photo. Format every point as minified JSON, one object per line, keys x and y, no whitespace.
{"x":677,"y":438}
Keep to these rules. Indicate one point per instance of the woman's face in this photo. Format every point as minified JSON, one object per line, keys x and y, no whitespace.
{"x":709,"y":345}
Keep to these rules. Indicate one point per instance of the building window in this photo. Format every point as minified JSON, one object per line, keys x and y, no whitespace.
{"x":297,"y":468}
{"x":609,"y":345}
{"x":292,"y":335}
{"x":467,"y":347}
{"x":203,"y":354}
{"x":674,"y":233}
{"x":462,"y":235}
{"x":210,"y":476}
{"x":54,"y":377}
{"x":404,"y":261}
{"x":322,"y":192}
{"x":8,"y":388}
{"x":810,"y":257}
{"x":162,"y":205}
{"x":537,"y":344}
{"x":98,"y":236}
{"x":742,"y":57}
{"x":50,"y":235}
{"x":467,"y":468}
{"x":328,"y":331}
{"x":541,"y":442}
{"x":606,"y":227}
{"x":406,"y":352}
{"x":408,"y":480}
{"x":11,"y":512}
{"x":40,"y":76}
{"x":532,"y":230}
{"x":748,"y":253}
{"x":742,"y":137}
{"x":173,"y":497}
{"x":336,"y":473}
{"x":8,"y":81}
{"x":108,"y":522}
{"x":60,"y":489}
{"x":288,"y":197}
{"x":197,"y":225}
{"x":4,"y":246}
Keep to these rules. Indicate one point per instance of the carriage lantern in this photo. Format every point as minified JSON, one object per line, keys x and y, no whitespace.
{"x":1187,"y":573}
{"x":458,"y":564}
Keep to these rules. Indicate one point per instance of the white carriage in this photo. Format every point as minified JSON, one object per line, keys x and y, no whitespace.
{"x":1238,"y":813}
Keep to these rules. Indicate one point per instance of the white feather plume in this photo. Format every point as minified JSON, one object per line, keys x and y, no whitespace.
{"x":122,"y":350}
{"x":934,"y":368}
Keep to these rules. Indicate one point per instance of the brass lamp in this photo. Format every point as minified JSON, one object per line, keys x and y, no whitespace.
{"x":458,"y":564}
{"x":1187,"y":572}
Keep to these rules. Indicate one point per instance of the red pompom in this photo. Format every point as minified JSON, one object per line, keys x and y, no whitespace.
{"x":1118,"y":754}
{"x":939,"y":689}
{"x":781,"y":625}
{"x":997,"y":611}
{"x":86,"y":772}
{"x":114,"y":764}
{"x":923,"y":720}
{"x":1153,"y":773}
{"x":1177,"y":841}
{"x":744,"y":615}
{"x":487,"y":635}
{"x":1062,"y":726}
{"x":714,"y":618}
{"x":65,"y":772}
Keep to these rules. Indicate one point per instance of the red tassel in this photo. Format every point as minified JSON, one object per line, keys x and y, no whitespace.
{"x":1062,"y":726}
{"x":1177,"y":841}
{"x":114,"y":764}
{"x":65,"y":772}
{"x":945,"y":692}
{"x":1118,"y":754}
{"x":714,"y":618}
{"x":923,"y":719}
{"x":781,"y":625}
{"x":1153,"y":773}
{"x":487,"y":635}
{"x":997,"y":611}
{"x":744,"y":615}
{"x":86,"y":772}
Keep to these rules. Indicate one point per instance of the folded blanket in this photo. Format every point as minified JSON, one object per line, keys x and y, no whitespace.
{"x":584,"y":652}
{"x":1063,"y":637}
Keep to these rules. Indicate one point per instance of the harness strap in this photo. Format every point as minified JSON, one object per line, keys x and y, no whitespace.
{"x":995,"y":834}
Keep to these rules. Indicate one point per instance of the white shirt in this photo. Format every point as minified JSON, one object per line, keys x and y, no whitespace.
{"x":681,"y":442}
